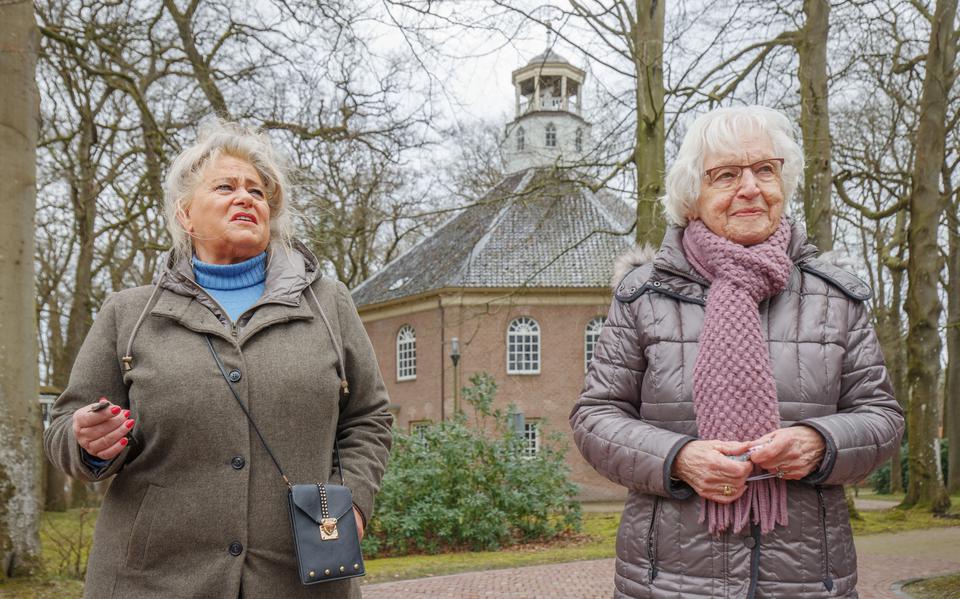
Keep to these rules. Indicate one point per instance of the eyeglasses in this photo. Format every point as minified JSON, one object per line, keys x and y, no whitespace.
{"x":728,"y":176}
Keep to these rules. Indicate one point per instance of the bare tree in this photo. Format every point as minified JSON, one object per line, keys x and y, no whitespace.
{"x":952,"y":379}
{"x":126,"y":86}
{"x":926,"y":487}
{"x":20,"y":449}
{"x":811,"y":45}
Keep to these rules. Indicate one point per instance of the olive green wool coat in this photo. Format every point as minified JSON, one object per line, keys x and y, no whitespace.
{"x":195,"y":486}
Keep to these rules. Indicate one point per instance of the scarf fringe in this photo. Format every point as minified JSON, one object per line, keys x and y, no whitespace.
{"x":764,"y":503}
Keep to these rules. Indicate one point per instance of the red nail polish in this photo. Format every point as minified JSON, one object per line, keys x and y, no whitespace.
{"x":126,"y":414}
{"x":115,"y":410}
{"x":128,"y":423}
{"x":123,"y":442}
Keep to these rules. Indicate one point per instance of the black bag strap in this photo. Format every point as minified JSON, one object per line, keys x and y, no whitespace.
{"x":256,"y":429}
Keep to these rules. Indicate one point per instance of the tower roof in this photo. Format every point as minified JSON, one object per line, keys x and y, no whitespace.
{"x":546,"y":56}
{"x":531,"y":230}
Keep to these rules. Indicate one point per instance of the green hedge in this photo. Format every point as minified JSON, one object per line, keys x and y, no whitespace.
{"x":467,"y":484}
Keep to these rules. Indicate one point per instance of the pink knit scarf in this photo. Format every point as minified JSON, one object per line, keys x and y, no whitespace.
{"x":734,"y":394}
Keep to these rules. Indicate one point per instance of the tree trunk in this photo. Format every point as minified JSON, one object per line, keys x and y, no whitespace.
{"x":926,"y":487}
{"x":20,"y":448}
{"x":649,"y":152}
{"x":84,"y":194}
{"x":815,"y":123}
{"x":895,"y":352}
{"x":952,"y":395}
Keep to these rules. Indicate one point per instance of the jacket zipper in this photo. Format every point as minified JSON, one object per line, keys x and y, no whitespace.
{"x":651,"y":538}
{"x":754,"y":561}
{"x":827,"y":579}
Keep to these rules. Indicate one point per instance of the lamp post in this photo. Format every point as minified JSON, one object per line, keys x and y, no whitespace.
{"x":455,"y":358}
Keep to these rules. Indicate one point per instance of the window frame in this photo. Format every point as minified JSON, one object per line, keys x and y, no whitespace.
{"x":531,"y":446}
{"x":590,"y":345}
{"x":533,"y":341}
{"x":521,"y":139}
{"x":550,"y":134}
{"x":406,"y":364}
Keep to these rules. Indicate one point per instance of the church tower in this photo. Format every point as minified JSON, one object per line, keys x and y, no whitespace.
{"x":548,"y":128}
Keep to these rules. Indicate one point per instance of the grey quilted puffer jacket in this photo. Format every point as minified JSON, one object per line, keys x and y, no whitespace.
{"x":636,"y":413}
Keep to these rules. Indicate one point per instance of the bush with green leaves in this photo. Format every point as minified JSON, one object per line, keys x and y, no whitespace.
{"x":470,"y":484}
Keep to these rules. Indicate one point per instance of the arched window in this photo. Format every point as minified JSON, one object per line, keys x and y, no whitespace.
{"x":406,"y":354}
{"x":551,"y":135}
{"x":520,"y":139}
{"x":578,"y":139}
{"x":590,"y":338}
{"x":523,"y":346}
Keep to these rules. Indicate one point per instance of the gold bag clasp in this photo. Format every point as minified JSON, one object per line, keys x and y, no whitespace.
{"x":328,"y":529}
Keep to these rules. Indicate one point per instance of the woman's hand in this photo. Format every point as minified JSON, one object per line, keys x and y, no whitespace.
{"x":705,"y":466}
{"x":795,"y":451}
{"x":102,"y":432}
{"x":359,"y":519}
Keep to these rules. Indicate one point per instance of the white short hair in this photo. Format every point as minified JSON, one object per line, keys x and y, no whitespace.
{"x":217,"y":138}
{"x":720,"y":130}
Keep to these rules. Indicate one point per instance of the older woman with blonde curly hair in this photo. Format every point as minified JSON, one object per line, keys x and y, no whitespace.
{"x":196,"y":507}
{"x":737,"y":384}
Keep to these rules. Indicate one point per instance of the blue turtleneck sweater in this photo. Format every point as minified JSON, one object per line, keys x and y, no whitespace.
{"x":236,"y":287}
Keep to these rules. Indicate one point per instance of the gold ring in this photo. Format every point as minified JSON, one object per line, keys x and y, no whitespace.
{"x":727,"y":490}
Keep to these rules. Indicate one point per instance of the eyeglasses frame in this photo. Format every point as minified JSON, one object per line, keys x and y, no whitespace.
{"x":742,"y":167}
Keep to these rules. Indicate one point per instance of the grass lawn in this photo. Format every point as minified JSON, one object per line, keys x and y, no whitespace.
{"x":63,"y":534}
{"x":595,"y":542}
{"x":894,"y":520}
{"x":944,"y":587}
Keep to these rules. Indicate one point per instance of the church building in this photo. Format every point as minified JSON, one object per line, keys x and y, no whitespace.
{"x":517,"y":285}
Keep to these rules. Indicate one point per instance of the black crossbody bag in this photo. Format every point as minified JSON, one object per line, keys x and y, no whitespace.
{"x":324,"y":525}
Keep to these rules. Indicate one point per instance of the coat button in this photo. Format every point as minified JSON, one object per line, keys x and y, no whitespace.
{"x":238,"y":462}
{"x":236,"y":548}
{"x":234,"y":376}
{"x":750,"y":542}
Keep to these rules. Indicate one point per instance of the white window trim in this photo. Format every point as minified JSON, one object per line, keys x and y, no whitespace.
{"x":532,"y":424}
{"x":521,"y":139}
{"x":406,"y":377}
{"x":587,"y":331}
{"x":539,"y":346}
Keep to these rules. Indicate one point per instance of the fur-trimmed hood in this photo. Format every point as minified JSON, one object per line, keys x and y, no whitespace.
{"x":637,"y":255}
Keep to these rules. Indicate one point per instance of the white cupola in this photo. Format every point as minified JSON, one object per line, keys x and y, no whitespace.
{"x":548,"y":128}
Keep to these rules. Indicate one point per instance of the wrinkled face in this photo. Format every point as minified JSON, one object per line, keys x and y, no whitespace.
{"x":750,"y":210}
{"x":228,"y":216}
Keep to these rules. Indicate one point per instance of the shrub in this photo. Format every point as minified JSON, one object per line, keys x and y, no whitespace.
{"x":464,"y":485}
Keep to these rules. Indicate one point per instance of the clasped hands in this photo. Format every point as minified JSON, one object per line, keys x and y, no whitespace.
{"x":792,"y":453}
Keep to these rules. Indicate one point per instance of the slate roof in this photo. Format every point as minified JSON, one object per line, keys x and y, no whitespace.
{"x":531,"y":230}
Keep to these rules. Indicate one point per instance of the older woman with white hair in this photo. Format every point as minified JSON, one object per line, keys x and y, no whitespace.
{"x":240,"y":314}
{"x":737,"y":384}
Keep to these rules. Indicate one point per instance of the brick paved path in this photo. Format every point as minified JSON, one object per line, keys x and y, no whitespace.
{"x":883,"y":560}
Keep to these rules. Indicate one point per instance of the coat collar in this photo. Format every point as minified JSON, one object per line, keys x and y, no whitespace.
{"x":671,"y":258}
{"x":289,"y":272}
